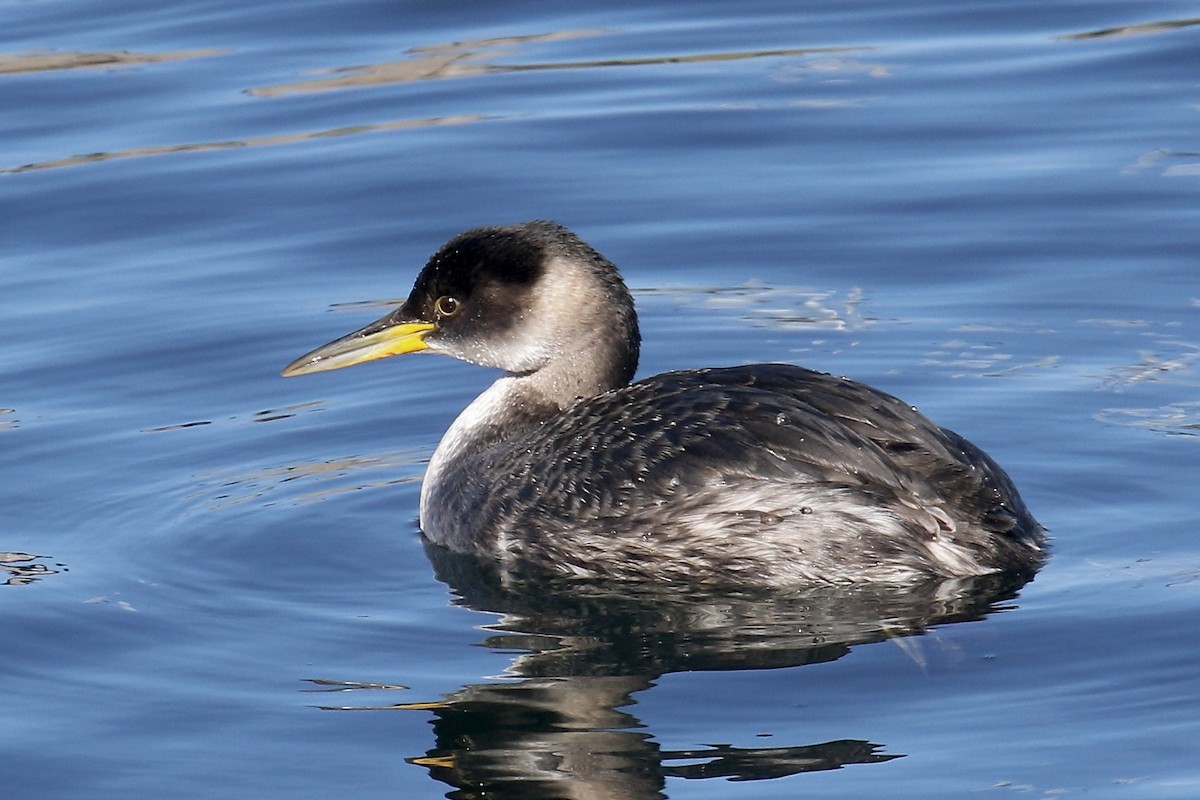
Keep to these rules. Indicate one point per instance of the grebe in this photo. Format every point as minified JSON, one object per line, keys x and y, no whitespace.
{"x":757,"y":475}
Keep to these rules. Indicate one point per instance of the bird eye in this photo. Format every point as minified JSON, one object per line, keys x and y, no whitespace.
{"x":446,"y":306}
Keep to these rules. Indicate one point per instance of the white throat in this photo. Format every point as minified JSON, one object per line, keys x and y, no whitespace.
{"x":486,"y":410}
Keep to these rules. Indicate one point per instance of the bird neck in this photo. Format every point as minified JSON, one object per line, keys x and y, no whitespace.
{"x":595,"y":362}
{"x":583,"y":329}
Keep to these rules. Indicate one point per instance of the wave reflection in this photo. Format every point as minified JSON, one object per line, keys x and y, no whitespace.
{"x":474,"y":58}
{"x":562,"y":721}
{"x":12,"y":63}
{"x":1141,"y":29}
{"x":234,"y":144}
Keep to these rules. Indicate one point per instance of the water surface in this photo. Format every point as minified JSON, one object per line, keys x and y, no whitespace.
{"x":215,"y":582}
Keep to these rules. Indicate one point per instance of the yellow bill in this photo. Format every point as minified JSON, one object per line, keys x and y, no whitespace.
{"x":382,"y":338}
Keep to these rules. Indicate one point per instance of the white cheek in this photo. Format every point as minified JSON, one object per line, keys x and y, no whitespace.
{"x":519,"y":350}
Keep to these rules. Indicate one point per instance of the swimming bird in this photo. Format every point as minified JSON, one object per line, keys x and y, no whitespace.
{"x":756,"y":475}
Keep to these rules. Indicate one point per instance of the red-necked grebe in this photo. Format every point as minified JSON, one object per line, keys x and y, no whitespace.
{"x":765,"y":474}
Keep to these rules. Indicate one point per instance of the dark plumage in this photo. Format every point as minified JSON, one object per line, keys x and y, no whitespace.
{"x":765,"y":474}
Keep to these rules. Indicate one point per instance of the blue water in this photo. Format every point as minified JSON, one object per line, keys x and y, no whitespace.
{"x":215,"y":583}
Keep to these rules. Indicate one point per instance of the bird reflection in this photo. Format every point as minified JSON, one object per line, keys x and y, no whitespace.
{"x":564,"y":728}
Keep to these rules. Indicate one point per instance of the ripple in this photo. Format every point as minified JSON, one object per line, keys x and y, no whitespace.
{"x":1140,"y":29}
{"x":785,"y":307}
{"x":475,"y":58}
{"x":235,"y":144}
{"x":1175,"y":419}
{"x":46,"y":62}
{"x":225,"y":489}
